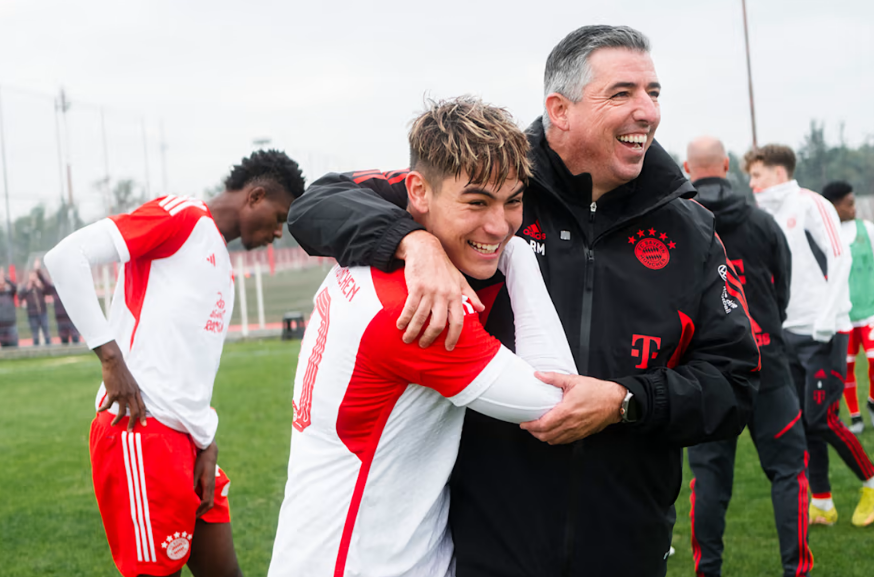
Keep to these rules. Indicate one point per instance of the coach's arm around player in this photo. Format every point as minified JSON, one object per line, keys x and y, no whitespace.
{"x":369,"y":225}
{"x":358,"y":219}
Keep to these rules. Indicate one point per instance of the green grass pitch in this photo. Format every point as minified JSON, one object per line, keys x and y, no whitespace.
{"x":49,"y":523}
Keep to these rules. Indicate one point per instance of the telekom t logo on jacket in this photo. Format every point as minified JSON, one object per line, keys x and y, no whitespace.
{"x":649,"y":349}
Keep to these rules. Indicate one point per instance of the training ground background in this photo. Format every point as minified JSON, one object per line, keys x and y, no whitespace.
{"x":50,"y":525}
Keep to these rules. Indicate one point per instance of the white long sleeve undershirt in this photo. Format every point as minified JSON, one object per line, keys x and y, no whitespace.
{"x":70,"y":265}
{"x":517,"y":395}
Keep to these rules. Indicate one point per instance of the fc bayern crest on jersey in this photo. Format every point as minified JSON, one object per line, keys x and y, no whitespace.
{"x":652,"y":248}
{"x":177,"y":545}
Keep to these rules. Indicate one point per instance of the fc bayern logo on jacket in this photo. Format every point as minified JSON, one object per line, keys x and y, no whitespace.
{"x":652,"y":248}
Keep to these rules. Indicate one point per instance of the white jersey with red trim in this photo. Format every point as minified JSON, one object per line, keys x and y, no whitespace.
{"x":819,"y":300}
{"x":171,"y":309}
{"x":371,"y":453}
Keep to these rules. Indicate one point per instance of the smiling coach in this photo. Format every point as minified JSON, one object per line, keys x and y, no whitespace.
{"x":654,"y":315}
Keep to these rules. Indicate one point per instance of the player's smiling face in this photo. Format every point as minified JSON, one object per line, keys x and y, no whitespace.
{"x":473,"y":222}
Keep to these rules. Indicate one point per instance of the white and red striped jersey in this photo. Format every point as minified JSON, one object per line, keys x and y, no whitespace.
{"x":371,"y":452}
{"x":377,"y":422}
{"x":819,"y":300}
{"x":171,"y":309}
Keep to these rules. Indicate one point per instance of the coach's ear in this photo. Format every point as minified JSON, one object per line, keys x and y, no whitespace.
{"x":418,"y":192}
{"x":557,"y":106}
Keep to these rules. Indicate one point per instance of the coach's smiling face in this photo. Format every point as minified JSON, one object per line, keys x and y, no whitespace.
{"x":473,"y":222}
{"x":607,"y":132}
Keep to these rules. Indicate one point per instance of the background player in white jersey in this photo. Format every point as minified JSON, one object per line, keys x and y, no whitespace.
{"x":378,"y":421}
{"x":817,"y":321}
{"x":858,"y":234}
{"x":162,"y":497}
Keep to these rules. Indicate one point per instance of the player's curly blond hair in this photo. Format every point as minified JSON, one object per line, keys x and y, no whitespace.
{"x":465,"y":135}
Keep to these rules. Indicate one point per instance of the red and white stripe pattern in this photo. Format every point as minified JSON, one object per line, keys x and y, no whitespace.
{"x":139,"y":500}
{"x":175,"y":204}
{"x":820,"y":202}
{"x":302,"y":418}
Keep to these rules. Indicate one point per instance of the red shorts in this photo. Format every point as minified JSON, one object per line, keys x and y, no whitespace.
{"x":861,"y":336}
{"x":144,"y":482}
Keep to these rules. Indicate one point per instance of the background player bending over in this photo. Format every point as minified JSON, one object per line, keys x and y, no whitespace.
{"x":858,"y":234}
{"x":377,"y":421}
{"x":162,"y":498}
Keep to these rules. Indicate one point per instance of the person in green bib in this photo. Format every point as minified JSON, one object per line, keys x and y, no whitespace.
{"x":858,"y":234}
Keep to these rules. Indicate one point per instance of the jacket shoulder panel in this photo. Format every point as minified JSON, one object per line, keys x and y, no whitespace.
{"x":699,"y":220}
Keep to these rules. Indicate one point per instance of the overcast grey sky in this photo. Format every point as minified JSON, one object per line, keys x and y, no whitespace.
{"x":335,"y":84}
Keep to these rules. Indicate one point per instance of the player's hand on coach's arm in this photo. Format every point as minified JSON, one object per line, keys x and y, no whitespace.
{"x":587,"y":407}
{"x":121,"y":387}
{"x":204,"y":477}
{"x":435,"y":289}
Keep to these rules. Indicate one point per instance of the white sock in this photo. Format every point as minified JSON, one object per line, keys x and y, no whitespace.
{"x":824,"y":504}
{"x":869,"y":483}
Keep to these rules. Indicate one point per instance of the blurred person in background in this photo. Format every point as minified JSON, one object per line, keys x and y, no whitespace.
{"x":34,"y":295}
{"x":817,"y":322}
{"x":8,"y":320}
{"x":758,"y":250}
{"x":162,"y":497}
{"x":858,"y":234}
{"x":66,"y":329}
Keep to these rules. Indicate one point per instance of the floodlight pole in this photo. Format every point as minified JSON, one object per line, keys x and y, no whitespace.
{"x":6,"y":189}
{"x":60,"y":151}
{"x":146,"y":157}
{"x":108,"y":188}
{"x":166,"y":187}
{"x":749,"y":74}
{"x":65,"y":106}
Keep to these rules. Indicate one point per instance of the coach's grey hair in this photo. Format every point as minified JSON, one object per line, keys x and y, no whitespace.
{"x":567,"y":68}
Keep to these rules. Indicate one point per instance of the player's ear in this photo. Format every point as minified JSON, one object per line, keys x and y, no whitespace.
{"x":417,"y":191}
{"x":255,"y":195}
{"x":781,"y":172}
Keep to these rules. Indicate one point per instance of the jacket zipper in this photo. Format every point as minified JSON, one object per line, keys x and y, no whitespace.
{"x":583,"y":361}
{"x":588,"y":289}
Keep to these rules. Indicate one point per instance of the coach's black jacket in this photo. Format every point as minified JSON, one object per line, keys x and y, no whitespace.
{"x":636,"y":280}
{"x":760,"y":254}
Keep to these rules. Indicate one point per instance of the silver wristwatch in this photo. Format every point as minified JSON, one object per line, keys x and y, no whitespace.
{"x":628,"y":410}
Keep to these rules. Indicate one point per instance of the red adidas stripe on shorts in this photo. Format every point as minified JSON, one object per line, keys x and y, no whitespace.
{"x":144,"y":486}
